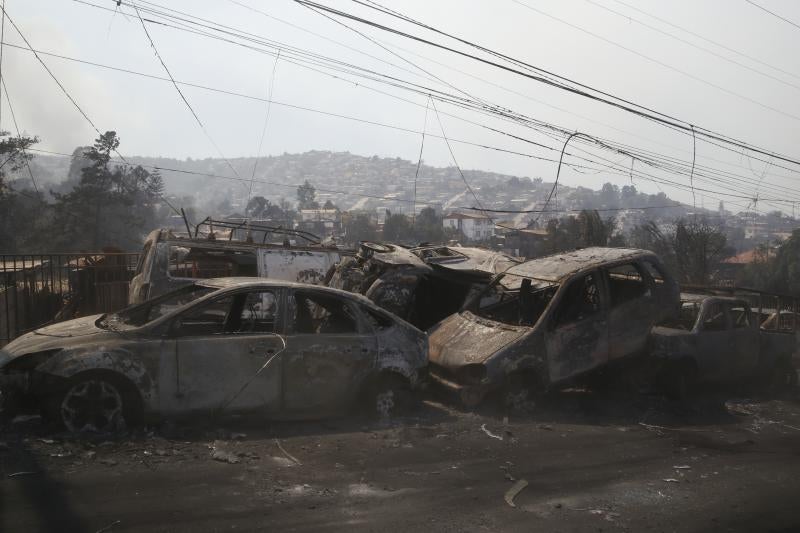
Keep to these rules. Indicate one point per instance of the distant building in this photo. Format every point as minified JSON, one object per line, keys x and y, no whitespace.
{"x":474,"y":227}
{"x":322,"y":222}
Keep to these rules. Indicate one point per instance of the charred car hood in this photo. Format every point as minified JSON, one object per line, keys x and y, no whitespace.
{"x":464,"y":338}
{"x":67,"y":334}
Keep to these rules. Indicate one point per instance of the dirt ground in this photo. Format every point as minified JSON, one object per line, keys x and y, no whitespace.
{"x":592,"y":462}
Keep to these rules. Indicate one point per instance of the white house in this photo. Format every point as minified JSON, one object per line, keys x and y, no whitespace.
{"x":474,"y":227}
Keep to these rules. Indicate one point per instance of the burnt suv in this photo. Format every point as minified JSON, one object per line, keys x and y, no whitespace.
{"x":550,"y":320}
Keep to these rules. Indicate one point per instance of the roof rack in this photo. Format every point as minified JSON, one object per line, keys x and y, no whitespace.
{"x":255,"y":226}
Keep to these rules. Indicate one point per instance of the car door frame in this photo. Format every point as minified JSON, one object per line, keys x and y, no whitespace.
{"x":364,"y":350}
{"x":559,"y":367}
{"x":173,"y":368}
{"x":646,"y":303}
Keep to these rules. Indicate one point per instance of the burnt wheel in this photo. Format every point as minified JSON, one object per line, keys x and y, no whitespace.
{"x":680,"y":382}
{"x":783,"y":377}
{"x":96,"y":403}
{"x":389,"y":396}
{"x":519,"y":394}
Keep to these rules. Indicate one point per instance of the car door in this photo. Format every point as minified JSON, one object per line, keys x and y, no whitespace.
{"x":220,"y":346}
{"x":577,"y":333}
{"x":331,"y":352}
{"x":715,"y":347}
{"x":630,"y":312}
{"x":744,"y":336}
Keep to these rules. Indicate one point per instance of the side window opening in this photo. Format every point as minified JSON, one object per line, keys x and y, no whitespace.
{"x":581,"y":301}
{"x":518,"y":302}
{"x":209,"y":319}
{"x":687,"y":316}
{"x":376,"y":320}
{"x":626,"y":283}
{"x":715,"y":318}
{"x":316,"y":313}
{"x":202,"y":263}
{"x":258,"y":313}
{"x":655,"y":272}
{"x":741,"y":317}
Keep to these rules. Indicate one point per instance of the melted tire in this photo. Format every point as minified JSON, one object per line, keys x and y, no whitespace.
{"x":95,"y":403}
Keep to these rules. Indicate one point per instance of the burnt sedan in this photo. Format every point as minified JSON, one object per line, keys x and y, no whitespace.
{"x":277,"y":349}
{"x":550,"y":320}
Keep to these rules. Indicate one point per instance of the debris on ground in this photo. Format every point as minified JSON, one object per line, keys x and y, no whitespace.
{"x":287,"y":454}
{"x":670,"y":480}
{"x":515,"y":489}
{"x":492,"y":435}
{"x":109,"y":527}
{"x":21,"y":474}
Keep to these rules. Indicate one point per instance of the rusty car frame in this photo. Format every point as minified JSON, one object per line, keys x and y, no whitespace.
{"x":276,"y":349}
{"x":170,"y":259}
{"x":422,"y":284}
{"x":551,"y":320}
{"x":717,"y":339}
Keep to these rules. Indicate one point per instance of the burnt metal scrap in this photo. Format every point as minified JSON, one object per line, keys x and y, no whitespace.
{"x":170,"y":260}
{"x":551,"y":320}
{"x":422,"y":285}
{"x":718,"y":339}
{"x":276,"y":349}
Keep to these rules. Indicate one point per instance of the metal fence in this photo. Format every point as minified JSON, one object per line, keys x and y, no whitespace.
{"x":40,"y":289}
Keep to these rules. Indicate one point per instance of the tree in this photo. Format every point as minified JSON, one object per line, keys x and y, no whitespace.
{"x":306,"y":194}
{"x":256,"y":207}
{"x":110,"y":206}
{"x":609,"y":196}
{"x":330,"y":205}
{"x":360,"y":228}
{"x":699,"y":247}
{"x":428,"y":226}
{"x":397,"y":228}
{"x":13,"y":156}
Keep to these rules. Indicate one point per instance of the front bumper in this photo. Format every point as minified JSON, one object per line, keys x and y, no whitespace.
{"x":468,"y":395}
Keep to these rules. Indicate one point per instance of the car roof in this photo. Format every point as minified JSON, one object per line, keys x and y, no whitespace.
{"x":245,"y":282}
{"x":557,"y":267}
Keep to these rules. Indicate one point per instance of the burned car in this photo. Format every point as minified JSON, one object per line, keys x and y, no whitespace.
{"x":277,"y":349}
{"x":550,"y":320}
{"x":423,"y":284}
{"x":170,"y":259}
{"x":717,"y":339}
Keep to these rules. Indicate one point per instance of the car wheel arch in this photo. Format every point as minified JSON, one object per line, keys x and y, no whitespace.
{"x":72,"y":363}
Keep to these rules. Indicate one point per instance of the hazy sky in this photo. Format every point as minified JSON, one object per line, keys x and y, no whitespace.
{"x":151,"y":118}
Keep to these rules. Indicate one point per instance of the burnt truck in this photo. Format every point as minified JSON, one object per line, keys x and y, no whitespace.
{"x":550,"y":320}
{"x":170,"y":260}
{"x":422,"y":284}
{"x":717,"y":339}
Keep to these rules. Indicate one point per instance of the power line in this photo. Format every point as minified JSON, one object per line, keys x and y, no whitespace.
{"x":577,"y":88}
{"x":419,"y":159}
{"x":450,"y":149}
{"x":526,"y":211}
{"x":264,"y":129}
{"x":19,"y":136}
{"x":706,"y":50}
{"x":706,"y":39}
{"x":183,"y":97}
{"x":762,"y":8}
{"x":661,"y":63}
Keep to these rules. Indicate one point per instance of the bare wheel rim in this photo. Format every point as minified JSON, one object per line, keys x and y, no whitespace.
{"x":385,"y":403}
{"x":92,"y":405}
